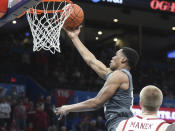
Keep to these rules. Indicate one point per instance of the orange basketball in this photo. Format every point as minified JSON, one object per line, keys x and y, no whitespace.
{"x":75,"y":19}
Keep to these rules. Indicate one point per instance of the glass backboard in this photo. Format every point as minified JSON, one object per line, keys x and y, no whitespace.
{"x":16,"y":8}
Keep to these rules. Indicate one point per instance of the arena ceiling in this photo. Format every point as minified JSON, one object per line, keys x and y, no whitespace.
{"x":147,"y":30}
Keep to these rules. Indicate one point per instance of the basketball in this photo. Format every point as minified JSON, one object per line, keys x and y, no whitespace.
{"x":75,"y":19}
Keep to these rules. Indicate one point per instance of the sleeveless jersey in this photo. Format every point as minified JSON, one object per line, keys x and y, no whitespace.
{"x":143,"y":124}
{"x":118,"y":107}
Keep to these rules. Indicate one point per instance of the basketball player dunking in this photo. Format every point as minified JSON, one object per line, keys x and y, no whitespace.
{"x":117,"y":93}
{"x":150,"y":101}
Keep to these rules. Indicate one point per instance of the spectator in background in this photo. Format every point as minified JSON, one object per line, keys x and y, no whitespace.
{"x":63,"y":128}
{"x":13,"y":105}
{"x":53,"y":128}
{"x":14,"y":93}
{"x":30,"y":127}
{"x":31,"y":113}
{"x":5,"y":110}
{"x":48,"y":108}
{"x":13,"y":126}
{"x":92,"y":125}
{"x":21,"y":95}
{"x":84,"y":125}
{"x":20,"y":115}
{"x":100,"y":124}
{"x":41,"y":119}
{"x":9,"y":100}
{"x":73,"y":121}
{"x":41,"y":101}
{"x":26,"y":104}
{"x":2,"y":92}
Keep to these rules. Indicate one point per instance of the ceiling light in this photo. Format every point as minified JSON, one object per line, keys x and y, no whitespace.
{"x":115,"y":20}
{"x":27,"y":34}
{"x":115,"y":39}
{"x":100,"y":32}
{"x":14,"y":22}
{"x":173,"y":28}
{"x":96,"y":38}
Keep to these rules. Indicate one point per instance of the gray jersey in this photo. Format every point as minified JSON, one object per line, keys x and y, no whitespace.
{"x":118,"y":107}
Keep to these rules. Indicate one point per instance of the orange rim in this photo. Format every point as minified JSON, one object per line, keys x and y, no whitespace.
{"x":33,"y":11}
{"x":68,"y":1}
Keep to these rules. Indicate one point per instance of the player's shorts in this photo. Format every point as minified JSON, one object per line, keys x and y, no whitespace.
{"x":114,"y":125}
{"x":113,"y":119}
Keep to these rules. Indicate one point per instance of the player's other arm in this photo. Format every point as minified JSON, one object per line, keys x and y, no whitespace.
{"x":88,"y":57}
{"x":110,"y":87}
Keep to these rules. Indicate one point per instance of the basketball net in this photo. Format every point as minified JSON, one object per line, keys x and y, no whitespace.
{"x":46,"y":23}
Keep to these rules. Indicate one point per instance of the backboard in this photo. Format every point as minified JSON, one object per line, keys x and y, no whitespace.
{"x":16,"y":8}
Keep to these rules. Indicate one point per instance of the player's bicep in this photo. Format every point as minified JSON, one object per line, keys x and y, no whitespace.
{"x":109,"y":89}
{"x":99,"y":68}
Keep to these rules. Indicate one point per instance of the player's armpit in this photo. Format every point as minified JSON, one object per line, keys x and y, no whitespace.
{"x":110,"y":87}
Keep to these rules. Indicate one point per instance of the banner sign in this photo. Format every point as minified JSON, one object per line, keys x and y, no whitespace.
{"x":7,"y":89}
{"x":166,"y":102}
{"x":163,"y":5}
{"x":158,"y":5}
{"x":167,"y":114}
{"x":71,"y":96}
{"x":63,"y":97}
{"x":108,"y":1}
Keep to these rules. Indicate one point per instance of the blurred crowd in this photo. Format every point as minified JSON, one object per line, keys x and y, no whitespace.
{"x":18,"y":113}
{"x":66,"y":70}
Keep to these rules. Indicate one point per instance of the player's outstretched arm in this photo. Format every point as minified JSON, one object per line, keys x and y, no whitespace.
{"x":110,"y":87}
{"x":88,"y":57}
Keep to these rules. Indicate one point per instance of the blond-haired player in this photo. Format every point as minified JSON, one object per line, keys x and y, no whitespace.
{"x":150,"y":101}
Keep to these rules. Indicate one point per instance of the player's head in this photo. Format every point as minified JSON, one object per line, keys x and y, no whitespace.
{"x":151,"y":98}
{"x":125,"y":56}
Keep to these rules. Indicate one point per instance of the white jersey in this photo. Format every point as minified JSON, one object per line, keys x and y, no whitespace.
{"x":143,"y":124}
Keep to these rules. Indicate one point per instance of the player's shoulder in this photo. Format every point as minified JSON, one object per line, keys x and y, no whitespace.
{"x":119,"y":73}
{"x":117,"y":76}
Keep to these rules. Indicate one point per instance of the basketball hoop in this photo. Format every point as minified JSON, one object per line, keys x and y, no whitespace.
{"x":46,"y":20}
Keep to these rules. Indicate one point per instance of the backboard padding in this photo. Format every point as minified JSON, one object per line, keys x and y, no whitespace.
{"x":17,"y":10}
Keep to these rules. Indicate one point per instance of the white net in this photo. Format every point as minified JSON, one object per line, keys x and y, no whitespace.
{"x":46,"y":26}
